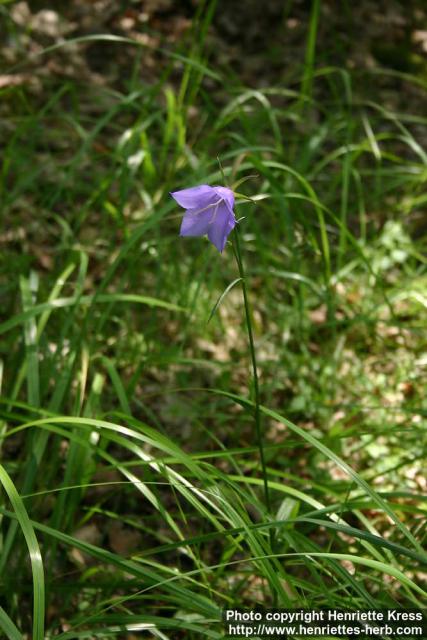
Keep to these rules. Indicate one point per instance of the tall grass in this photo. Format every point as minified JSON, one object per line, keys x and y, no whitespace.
{"x":133,"y":496}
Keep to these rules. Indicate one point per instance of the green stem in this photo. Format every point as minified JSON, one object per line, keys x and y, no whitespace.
{"x":257,"y":412}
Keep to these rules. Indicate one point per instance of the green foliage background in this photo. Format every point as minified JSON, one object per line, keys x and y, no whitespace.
{"x":132,"y":492}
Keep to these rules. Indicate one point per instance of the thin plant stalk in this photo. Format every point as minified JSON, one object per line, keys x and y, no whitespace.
{"x":257,"y":412}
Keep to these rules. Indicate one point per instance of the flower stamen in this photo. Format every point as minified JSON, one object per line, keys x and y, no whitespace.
{"x":213,"y":204}
{"x":216,"y":211}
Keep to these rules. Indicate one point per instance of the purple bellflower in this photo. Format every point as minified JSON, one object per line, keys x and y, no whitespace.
{"x":209,"y":211}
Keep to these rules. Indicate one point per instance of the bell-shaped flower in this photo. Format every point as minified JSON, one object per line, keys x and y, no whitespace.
{"x":209,"y":211}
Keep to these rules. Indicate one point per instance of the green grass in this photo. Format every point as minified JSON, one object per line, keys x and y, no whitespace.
{"x":133,"y":492}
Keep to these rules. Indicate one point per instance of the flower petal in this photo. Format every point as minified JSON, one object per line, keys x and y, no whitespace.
{"x":195,"y":223}
{"x":226,"y":194}
{"x":221,"y":225}
{"x":195,"y":197}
